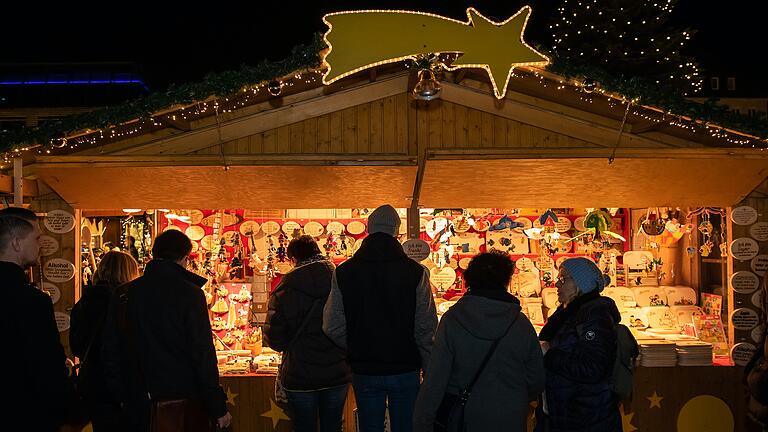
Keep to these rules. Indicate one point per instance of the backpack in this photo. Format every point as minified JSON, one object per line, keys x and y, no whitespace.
{"x":624,"y":364}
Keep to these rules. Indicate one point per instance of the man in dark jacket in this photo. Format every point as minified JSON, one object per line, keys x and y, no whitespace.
{"x":157,"y":339}
{"x":381,"y":309}
{"x":36,"y":385}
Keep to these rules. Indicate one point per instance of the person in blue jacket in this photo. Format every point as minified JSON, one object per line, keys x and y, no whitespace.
{"x":580,"y":348}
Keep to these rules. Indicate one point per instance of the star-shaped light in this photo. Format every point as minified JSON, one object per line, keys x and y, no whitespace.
{"x":275,"y":413}
{"x":655,"y":400}
{"x":626,"y":420}
{"x":231,"y":397}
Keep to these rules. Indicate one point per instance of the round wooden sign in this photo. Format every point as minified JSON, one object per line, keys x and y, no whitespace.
{"x":62,"y":321}
{"x":744,"y":248}
{"x":759,"y":231}
{"x":249,"y":228}
{"x":207,"y":242}
{"x":744,"y":215}
{"x":290,"y":226}
{"x":464,"y":263}
{"x":744,"y":319}
{"x":742,"y":352}
{"x":52,"y":290}
{"x":356,"y":227}
{"x":744,"y":282}
{"x":48,"y":245}
{"x":270,"y":227}
{"x":578,"y":223}
{"x":527,"y":224}
{"x":759,"y":264}
{"x":335,"y":227}
{"x":59,"y":221}
{"x":59,"y":270}
{"x":563,"y":224}
{"x":416,"y":249}
{"x":195,"y":232}
{"x":315,"y":229}
{"x":195,"y":217}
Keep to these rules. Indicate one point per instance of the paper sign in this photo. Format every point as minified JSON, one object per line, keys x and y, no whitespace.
{"x":744,"y":215}
{"x":563,"y":224}
{"x":759,"y":231}
{"x":744,"y":249}
{"x":709,"y":328}
{"x":59,"y":270}
{"x":52,"y":290}
{"x":416,"y":249}
{"x":59,"y":221}
{"x":62,"y":321}
{"x":742,"y":352}
{"x":744,"y":282}
{"x":744,"y":319}
{"x":442,"y":279}
{"x":759,"y":264}
{"x":48,"y":245}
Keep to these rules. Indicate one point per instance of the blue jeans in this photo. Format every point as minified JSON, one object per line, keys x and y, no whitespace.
{"x":375,"y":393}
{"x":304,"y":408}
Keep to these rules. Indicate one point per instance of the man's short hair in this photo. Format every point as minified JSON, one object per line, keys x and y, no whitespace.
{"x":302,"y":248}
{"x":489,"y":270}
{"x":15,"y":222}
{"x":171,"y":245}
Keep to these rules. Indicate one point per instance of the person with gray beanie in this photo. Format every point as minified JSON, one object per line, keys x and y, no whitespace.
{"x":381,"y":310}
{"x":580,"y":344}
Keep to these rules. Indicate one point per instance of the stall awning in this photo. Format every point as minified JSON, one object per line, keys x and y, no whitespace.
{"x":250,"y":187}
{"x":678,"y":178}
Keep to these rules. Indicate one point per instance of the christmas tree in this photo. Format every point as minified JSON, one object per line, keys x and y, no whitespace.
{"x":626,"y":38}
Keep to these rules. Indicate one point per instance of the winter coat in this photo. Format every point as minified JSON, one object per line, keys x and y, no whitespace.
{"x":172,"y":356}
{"x":513,"y":377}
{"x":86,"y":325}
{"x":313,"y":361}
{"x":381,"y":309}
{"x":579,"y":365}
{"x":36,"y":382}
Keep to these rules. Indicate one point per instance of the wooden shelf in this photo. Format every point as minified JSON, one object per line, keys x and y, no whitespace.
{"x":714,"y":260}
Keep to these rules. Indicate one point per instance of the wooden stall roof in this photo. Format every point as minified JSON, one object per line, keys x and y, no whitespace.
{"x":541,"y":178}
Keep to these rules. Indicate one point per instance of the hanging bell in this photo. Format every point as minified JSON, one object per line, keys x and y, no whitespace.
{"x":427,"y":88}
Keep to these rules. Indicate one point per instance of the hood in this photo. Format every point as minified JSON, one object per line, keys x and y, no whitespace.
{"x":484,"y":317}
{"x":380,"y":247}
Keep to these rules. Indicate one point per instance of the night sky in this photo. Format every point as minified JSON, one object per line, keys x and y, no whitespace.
{"x":181,"y":41}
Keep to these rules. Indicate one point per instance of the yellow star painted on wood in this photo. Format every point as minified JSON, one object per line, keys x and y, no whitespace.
{"x":626,"y":420}
{"x":655,"y":400}
{"x":275,"y":413}
{"x":231,"y":397}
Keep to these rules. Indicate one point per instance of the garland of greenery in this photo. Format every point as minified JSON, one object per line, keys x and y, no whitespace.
{"x":308,"y":57}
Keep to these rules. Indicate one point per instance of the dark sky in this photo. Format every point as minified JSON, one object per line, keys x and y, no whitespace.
{"x":181,"y":41}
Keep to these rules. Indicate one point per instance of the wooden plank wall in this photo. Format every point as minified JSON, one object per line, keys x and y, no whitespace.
{"x":393,"y":125}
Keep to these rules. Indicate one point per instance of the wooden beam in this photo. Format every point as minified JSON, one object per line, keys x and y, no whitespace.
{"x":203,"y":137}
{"x":592,"y":153}
{"x":646,"y":126}
{"x":6,"y":185}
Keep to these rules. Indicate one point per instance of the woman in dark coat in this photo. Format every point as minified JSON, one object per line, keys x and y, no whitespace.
{"x":514,"y":374}
{"x":315,"y":373}
{"x":580,"y":344}
{"x":87,"y":323}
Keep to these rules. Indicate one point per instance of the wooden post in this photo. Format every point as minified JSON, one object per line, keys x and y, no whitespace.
{"x":18,"y":182}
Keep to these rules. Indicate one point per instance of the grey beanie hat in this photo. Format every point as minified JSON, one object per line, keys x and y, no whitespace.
{"x":384,"y":219}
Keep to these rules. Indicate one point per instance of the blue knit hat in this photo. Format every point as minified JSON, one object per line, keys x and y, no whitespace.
{"x":585,"y":273}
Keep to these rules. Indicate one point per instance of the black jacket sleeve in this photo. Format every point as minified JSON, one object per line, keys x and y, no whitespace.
{"x":204,"y":355}
{"x":591,"y":358}
{"x":278,"y":330}
{"x":111,"y":352}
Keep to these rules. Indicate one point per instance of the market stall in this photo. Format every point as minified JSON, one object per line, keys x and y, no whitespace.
{"x":547,"y":169}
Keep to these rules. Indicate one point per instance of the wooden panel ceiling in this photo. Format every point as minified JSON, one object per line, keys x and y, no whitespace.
{"x":250,"y":187}
{"x":590,"y":182}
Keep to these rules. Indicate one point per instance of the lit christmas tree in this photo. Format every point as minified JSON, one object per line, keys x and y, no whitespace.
{"x":626,"y":38}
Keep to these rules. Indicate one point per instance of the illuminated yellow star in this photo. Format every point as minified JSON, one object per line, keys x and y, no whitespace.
{"x":626,"y":420}
{"x":655,"y":400}
{"x":275,"y":413}
{"x":231,"y":397}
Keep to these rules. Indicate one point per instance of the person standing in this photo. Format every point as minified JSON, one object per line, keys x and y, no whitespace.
{"x":382,"y":311}
{"x":86,"y":327}
{"x":157,"y":344}
{"x":514,"y":373}
{"x":130,"y":247}
{"x":36,"y":386}
{"x":580,"y":344}
{"x":315,"y":373}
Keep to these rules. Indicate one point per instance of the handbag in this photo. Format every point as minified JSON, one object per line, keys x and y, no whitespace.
{"x":78,"y":381}
{"x":281,"y":397}
{"x":450,"y":414}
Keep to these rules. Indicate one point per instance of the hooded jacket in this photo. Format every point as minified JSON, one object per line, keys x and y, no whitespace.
{"x":513,"y":376}
{"x":579,"y":363}
{"x":312,"y":361}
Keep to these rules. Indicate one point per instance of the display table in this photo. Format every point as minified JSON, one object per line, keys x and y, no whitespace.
{"x":675,"y":399}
